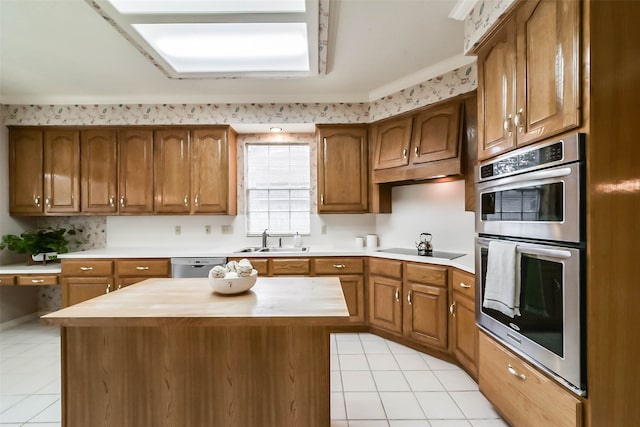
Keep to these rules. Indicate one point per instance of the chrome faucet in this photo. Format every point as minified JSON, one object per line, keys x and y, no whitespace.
{"x":264,"y":238}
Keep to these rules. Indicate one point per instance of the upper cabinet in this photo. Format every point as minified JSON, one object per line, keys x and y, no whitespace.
{"x":114,"y":171}
{"x":99,"y":170}
{"x":135,"y":171}
{"x":420,"y":146}
{"x":193,"y":171}
{"x":342,"y":169}
{"x":529,"y":77}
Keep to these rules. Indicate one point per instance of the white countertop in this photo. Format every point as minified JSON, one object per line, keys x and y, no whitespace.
{"x":49,"y":268}
{"x":465,"y":263}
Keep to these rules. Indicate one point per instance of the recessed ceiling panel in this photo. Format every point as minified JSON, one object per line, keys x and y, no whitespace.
{"x":207,"y":6}
{"x":230,"y":47}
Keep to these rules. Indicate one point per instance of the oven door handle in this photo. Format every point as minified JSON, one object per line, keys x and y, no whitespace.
{"x":533,"y":178}
{"x":526,"y":249}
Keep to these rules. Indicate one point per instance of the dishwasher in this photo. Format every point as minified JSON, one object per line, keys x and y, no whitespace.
{"x":194,"y":267}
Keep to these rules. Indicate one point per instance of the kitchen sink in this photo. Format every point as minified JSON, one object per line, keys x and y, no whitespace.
{"x":251,"y":249}
{"x":292,"y":250}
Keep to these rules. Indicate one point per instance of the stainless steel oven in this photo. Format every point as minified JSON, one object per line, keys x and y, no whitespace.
{"x":534,"y":197}
{"x":549,"y":332}
{"x":534,"y":192}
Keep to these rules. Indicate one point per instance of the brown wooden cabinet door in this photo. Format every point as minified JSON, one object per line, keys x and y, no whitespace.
{"x":135,"y":162}
{"x":436,"y":134}
{"x":210,"y":170}
{"x":393,"y":139}
{"x":425,"y":314}
{"x":497,"y":93}
{"x":385,"y":303}
{"x":464,"y":332}
{"x":26,"y":173}
{"x":172,"y":171}
{"x":353,"y":290}
{"x":79,"y":289}
{"x":342,"y":169}
{"x":99,"y":170}
{"x":548,"y":69}
{"x":62,"y":171}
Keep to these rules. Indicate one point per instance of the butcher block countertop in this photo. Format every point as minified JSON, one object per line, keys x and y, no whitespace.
{"x":191,"y":302}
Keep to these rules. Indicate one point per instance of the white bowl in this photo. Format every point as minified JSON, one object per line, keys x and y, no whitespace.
{"x":233,"y":285}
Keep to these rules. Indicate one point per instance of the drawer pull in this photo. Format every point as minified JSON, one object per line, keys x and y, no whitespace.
{"x":515,"y":373}
{"x":464,"y":285}
{"x":83,"y":268}
{"x":108,"y":288}
{"x":397,"y":294}
{"x":37,"y":280}
{"x":452,"y":309}
{"x":339,"y":265}
{"x":409,"y":297}
{"x":142,"y":267}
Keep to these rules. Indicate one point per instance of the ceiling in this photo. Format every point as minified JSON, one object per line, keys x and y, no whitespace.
{"x":63,"y":52}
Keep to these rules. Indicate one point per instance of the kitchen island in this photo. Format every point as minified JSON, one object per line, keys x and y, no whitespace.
{"x":170,"y":352}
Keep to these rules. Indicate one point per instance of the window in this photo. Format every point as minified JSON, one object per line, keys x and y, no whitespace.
{"x":278,"y":188}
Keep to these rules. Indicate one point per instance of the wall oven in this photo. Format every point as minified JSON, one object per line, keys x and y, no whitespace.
{"x":534,"y":198}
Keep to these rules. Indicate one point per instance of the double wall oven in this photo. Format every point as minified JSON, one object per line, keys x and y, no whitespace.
{"x":535,"y":197}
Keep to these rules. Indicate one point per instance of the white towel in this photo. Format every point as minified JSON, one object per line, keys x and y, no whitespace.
{"x":502,"y":287}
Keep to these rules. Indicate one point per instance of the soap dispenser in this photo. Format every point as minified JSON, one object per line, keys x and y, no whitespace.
{"x":297,"y":240}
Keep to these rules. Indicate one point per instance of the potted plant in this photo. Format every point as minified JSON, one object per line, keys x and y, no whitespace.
{"x":42,"y":245}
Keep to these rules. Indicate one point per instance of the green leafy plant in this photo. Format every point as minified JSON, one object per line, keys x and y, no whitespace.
{"x":38,"y":241}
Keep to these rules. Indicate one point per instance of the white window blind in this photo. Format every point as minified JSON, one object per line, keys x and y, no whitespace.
{"x":278,"y":188}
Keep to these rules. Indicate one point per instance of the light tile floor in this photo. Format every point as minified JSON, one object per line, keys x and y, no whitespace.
{"x":374,"y":383}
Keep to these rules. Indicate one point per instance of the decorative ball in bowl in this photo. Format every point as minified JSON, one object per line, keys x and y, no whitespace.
{"x":233,"y":284}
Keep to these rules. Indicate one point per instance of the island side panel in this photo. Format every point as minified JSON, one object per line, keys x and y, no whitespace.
{"x":195,"y":376}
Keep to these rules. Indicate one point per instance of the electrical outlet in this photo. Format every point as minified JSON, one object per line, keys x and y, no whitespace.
{"x":207,"y":229}
{"x":178,"y":230}
{"x":227,"y":229}
{"x":323,"y":230}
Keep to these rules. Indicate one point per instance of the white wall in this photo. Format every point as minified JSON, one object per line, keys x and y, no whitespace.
{"x":436,"y":208}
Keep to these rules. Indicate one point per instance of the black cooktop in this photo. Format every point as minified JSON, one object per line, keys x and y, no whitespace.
{"x":435,"y":254}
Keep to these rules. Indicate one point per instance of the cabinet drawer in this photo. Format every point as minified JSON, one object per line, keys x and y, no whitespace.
{"x":6,"y":279}
{"x":338,"y":265}
{"x":385,"y":267}
{"x":35,"y":280}
{"x":523,"y":395}
{"x":143,"y":267}
{"x":464,"y":283}
{"x":424,"y":273}
{"x":85,"y":268}
{"x":295,"y":266}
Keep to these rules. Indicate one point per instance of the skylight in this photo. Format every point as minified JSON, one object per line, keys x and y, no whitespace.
{"x":221,"y":38}
{"x":207,"y":6}
{"x":192,"y":48}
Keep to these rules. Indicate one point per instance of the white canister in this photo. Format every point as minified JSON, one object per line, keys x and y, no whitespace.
{"x":359,"y":242}
{"x":372,"y":241}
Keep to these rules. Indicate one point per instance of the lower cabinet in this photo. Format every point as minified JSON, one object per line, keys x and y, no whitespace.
{"x":463,"y":330}
{"x":409,"y":299}
{"x":83,"y":279}
{"x":524,"y":396}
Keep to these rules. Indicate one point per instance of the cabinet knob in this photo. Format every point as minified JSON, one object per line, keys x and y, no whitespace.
{"x":464,"y":285}
{"x":397,"y":295}
{"x":108,"y":288}
{"x":122,"y":203}
{"x":47,"y":202}
{"x":507,"y":124}
{"x":186,"y":200}
{"x":518,"y":120}
{"x":515,"y":373}
{"x":112,"y":201}
{"x":409,"y":297}
{"x":417,"y":151}
{"x":322,"y":199}
{"x":404,"y":153}
{"x":195,"y":200}
{"x":36,"y":200}
{"x":452,"y":309}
